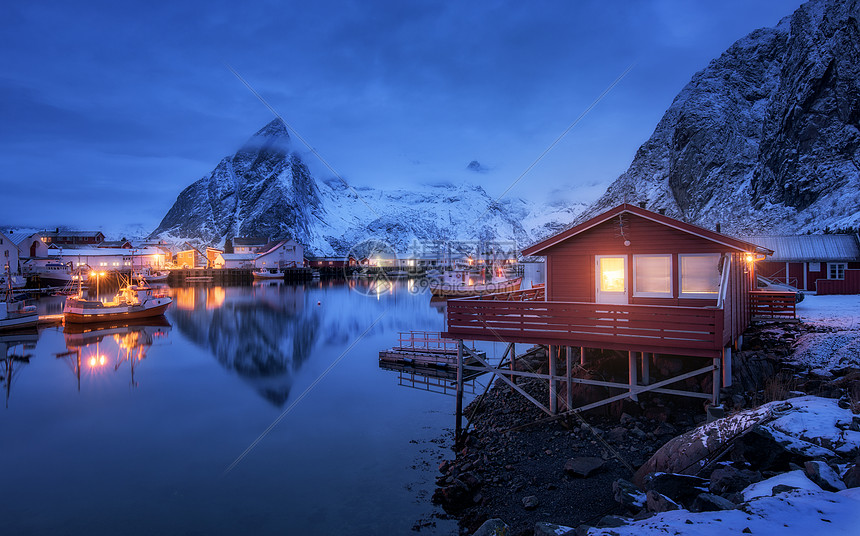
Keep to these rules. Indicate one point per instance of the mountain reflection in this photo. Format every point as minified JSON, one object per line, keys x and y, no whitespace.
{"x":99,"y":348}
{"x":263,"y":333}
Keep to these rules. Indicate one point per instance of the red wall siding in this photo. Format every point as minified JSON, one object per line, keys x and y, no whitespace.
{"x":849,"y":285}
{"x":570,"y":278}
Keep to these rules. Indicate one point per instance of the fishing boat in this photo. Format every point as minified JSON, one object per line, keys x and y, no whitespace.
{"x":130,"y":303}
{"x":268,"y":273}
{"x":150,"y":276}
{"x":15,"y":314}
{"x":460,"y":283}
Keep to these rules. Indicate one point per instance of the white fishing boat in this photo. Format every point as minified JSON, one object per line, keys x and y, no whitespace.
{"x":132,"y":302}
{"x":268,"y":273}
{"x":150,"y":276}
{"x":15,"y":314}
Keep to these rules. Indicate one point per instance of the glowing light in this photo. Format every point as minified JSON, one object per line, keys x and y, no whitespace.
{"x":750,"y":258}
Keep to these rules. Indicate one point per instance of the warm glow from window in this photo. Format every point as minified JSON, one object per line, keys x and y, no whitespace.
{"x":700,"y":274}
{"x":653,"y":275}
{"x":612,"y":274}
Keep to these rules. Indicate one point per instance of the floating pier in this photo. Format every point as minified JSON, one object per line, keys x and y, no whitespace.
{"x":425,"y":349}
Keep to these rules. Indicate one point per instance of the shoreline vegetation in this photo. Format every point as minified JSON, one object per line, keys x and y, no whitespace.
{"x":631,"y":461}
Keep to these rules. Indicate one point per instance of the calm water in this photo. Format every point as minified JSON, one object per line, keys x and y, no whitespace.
{"x":131,"y":430}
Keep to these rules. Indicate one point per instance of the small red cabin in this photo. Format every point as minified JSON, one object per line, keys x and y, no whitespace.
{"x":630,"y":280}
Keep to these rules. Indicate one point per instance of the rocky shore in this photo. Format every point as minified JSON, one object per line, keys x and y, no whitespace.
{"x":604,"y":468}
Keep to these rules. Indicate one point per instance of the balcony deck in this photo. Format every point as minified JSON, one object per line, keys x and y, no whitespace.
{"x":686,"y":331}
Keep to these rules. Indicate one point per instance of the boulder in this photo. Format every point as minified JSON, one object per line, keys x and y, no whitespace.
{"x":531,"y":502}
{"x":708,"y":502}
{"x":492,"y":527}
{"x":551,"y":529}
{"x":851,"y":478}
{"x":455,"y":496}
{"x":657,"y":502}
{"x":682,"y":489}
{"x":728,"y":479}
{"x":611,"y":521}
{"x":823,"y":475}
{"x":583,"y":466}
{"x":628,"y":495}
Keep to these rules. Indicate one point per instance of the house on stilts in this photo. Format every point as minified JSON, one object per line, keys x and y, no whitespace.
{"x":628,"y":280}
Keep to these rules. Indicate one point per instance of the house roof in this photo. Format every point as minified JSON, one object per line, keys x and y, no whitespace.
{"x":543,"y":245}
{"x":272,"y":246}
{"x":72,"y":233}
{"x":810,"y":248}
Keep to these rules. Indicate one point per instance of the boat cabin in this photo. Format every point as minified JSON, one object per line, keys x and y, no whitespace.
{"x":628,"y":280}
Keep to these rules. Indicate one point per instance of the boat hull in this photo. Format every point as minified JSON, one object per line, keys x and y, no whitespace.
{"x":14,"y":322}
{"x":460,"y":291}
{"x":258,"y":275}
{"x":77,"y":317}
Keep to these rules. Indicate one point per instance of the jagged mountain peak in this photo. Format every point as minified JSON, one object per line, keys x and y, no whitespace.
{"x":766,"y":138}
{"x":275,"y":135}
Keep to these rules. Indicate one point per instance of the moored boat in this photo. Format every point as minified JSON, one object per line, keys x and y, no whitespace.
{"x":130,"y":303}
{"x":268,"y":273}
{"x":15,"y":314}
{"x":151,"y":276}
{"x":461,"y":283}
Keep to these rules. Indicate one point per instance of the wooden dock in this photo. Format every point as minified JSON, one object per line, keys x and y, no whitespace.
{"x":228,"y":276}
{"x":424,"y":349}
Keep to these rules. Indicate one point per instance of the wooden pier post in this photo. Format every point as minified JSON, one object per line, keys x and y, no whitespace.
{"x":553,"y":386}
{"x":569,"y":372}
{"x":459,"y":412}
{"x":715,"y":399}
{"x":646,"y":368}
{"x":727,"y":366}
{"x":631,"y":374}
{"x":582,"y":356}
{"x":513,"y":359}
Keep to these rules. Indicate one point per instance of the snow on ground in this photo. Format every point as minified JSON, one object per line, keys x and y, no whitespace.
{"x":836,"y":342}
{"x":799,"y":512}
{"x":803,"y":423}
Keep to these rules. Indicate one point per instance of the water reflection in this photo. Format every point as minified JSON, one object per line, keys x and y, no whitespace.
{"x":100,"y":348}
{"x":263,"y":334}
{"x":14,"y":348}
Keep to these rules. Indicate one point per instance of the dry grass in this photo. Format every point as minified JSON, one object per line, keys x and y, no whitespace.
{"x":779,"y":387}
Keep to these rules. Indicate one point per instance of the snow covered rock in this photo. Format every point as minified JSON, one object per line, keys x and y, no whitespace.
{"x":824,"y":476}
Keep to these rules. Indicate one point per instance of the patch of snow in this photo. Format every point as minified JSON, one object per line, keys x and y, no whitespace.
{"x":795,"y":479}
{"x":837,"y":344}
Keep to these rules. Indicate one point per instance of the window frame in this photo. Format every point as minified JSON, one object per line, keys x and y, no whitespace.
{"x":642,"y":294}
{"x":837,"y":265}
{"x":697,"y":295}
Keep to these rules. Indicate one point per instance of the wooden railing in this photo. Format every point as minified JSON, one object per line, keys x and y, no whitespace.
{"x":772,"y":304}
{"x":426,"y":341}
{"x":663,"y":329}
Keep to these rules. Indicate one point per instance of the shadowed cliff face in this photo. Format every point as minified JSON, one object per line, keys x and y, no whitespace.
{"x":766,"y":137}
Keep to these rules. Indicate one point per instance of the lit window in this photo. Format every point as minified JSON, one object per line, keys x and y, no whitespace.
{"x":612,"y":274}
{"x":836,"y":270}
{"x":652,"y":275}
{"x":700,"y":275}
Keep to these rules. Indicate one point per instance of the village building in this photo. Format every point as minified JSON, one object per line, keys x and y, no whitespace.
{"x":825,"y":264}
{"x":9,"y":255}
{"x":73,"y":238}
{"x":628,"y":280}
{"x":243,"y":261}
{"x":281,"y":254}
{"x":249,"y":244}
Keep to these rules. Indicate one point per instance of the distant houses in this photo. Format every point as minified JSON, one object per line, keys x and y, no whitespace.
{"x":825,"y":264}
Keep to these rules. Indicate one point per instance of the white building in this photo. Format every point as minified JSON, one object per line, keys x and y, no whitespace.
{"x":33,"y":246}
{"x":282,"y":253}
{"x":8,"y":255}
{"x":235,"y":260}
{"x":106,"y":259}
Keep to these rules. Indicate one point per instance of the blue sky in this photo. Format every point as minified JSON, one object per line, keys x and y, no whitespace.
{"x":108,"y":110}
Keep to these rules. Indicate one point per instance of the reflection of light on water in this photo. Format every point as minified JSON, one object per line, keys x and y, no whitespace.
{"x":97,"y":361}
{"x":215,"y":297}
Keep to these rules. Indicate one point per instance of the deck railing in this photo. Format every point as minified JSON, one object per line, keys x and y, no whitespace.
{"x":538,"y":293}
{"x":690,"y":331}
{"x":426,"y":341}
{"x":770,"y":304}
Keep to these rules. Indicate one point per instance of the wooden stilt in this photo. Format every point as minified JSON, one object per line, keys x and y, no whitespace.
{"x":553,"y":390}
{"x":646,"y":368}
{"x":727,"y":366}
{"x":569,"y":373}
{"x":582,"y":356}
{"x":715,"y":398}
{"x":631,"y":375}
{"x":459,"y":412}
{"x":513,"y":359}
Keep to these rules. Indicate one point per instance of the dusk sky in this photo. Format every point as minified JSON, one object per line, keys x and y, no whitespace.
{"x":109,"y":110}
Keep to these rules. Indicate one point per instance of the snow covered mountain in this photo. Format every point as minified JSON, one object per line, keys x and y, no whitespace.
{"x":266,"y":189}
{"x":766,"y":138}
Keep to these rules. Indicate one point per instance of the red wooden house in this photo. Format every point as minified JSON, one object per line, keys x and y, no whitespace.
{"x":630,"y":280}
